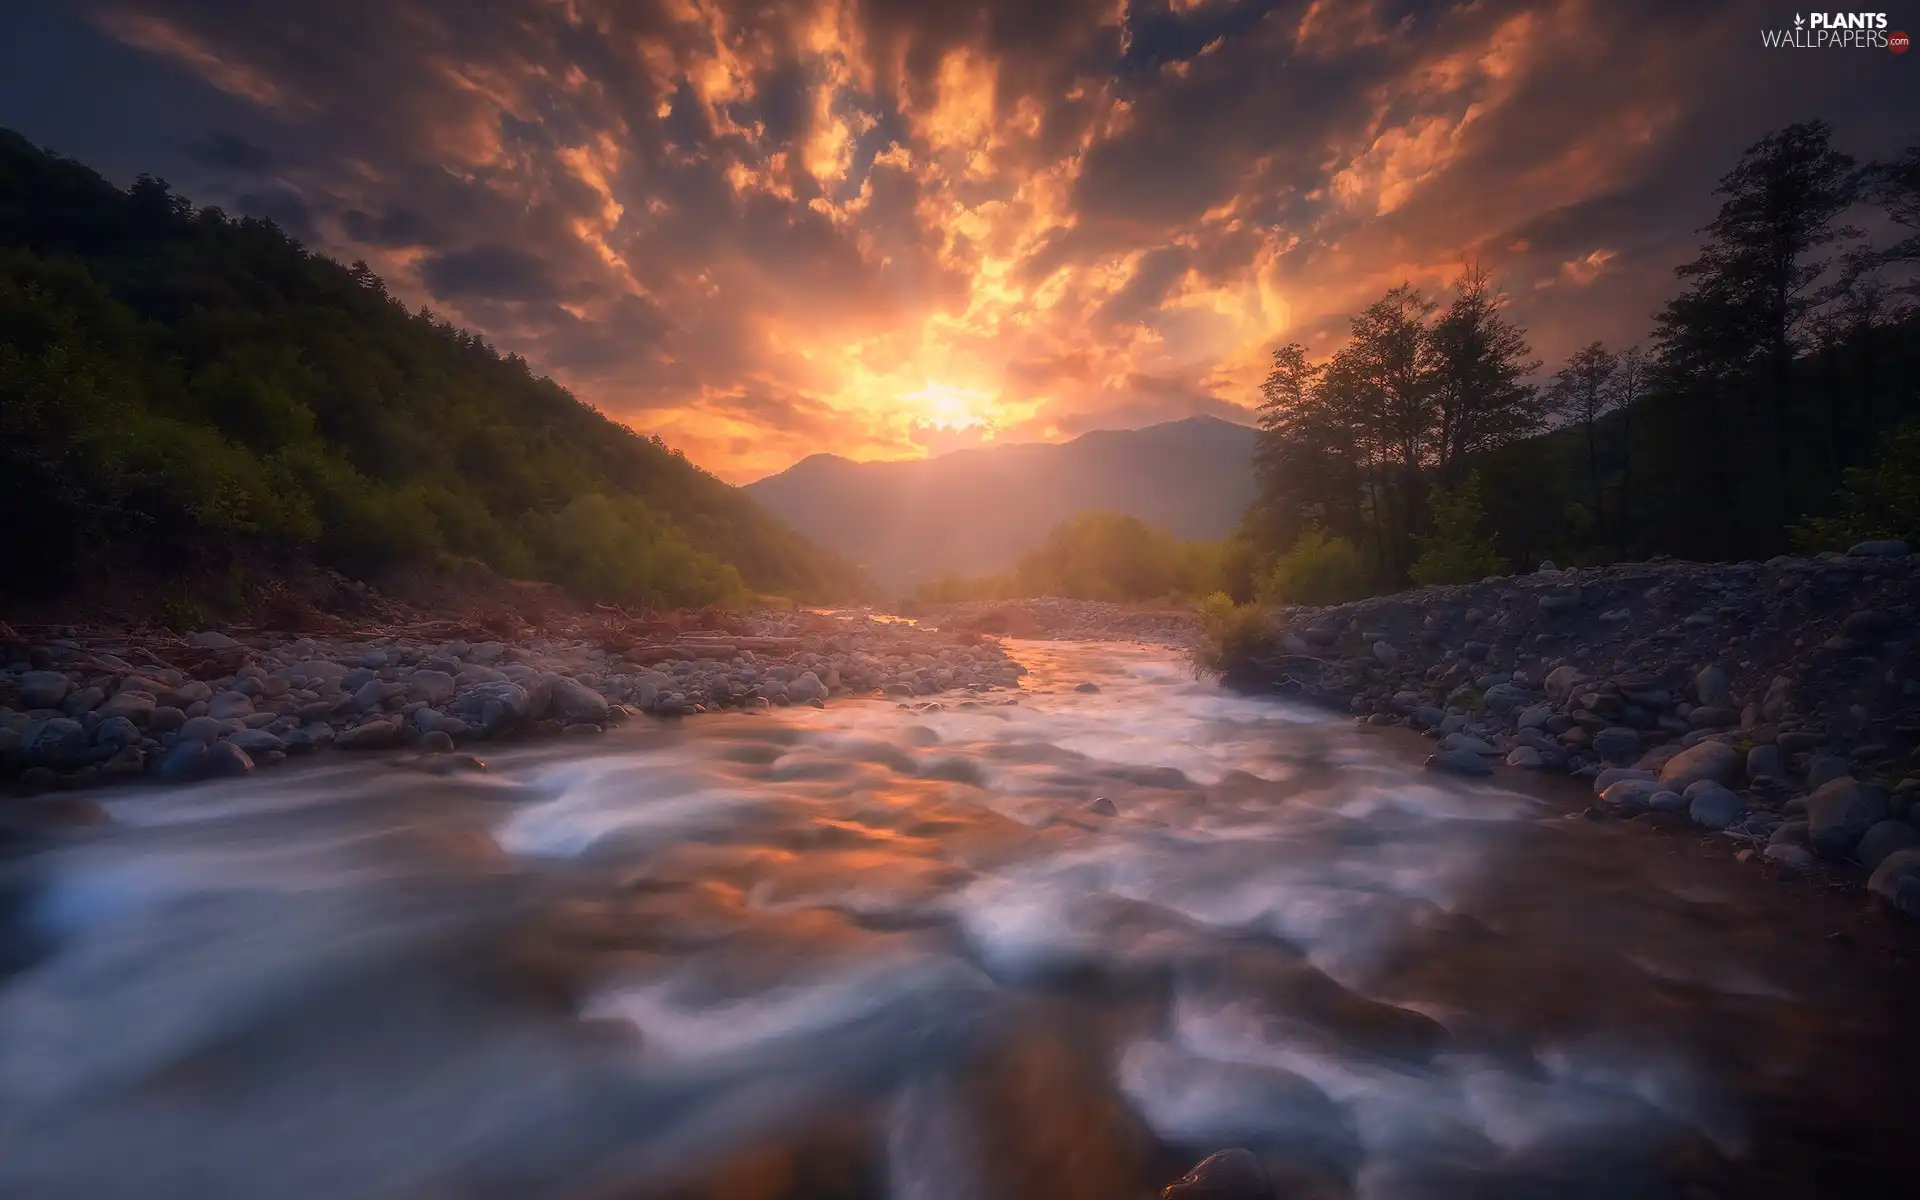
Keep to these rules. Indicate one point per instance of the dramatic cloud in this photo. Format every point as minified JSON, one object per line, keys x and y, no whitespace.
{"x":765,"y":228}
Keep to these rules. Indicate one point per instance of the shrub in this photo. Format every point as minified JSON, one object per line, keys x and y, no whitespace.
{"x":1456,"y":552}
{"x":1233,"y":636}
{"x":1877,"y":501}
{"x":1318,"y":570}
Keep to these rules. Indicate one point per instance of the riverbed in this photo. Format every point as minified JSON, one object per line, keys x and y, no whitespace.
{"x":1047,"y":943}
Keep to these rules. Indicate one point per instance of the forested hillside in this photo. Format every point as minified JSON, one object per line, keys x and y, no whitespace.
{"x":1775,"y":408}
{"x":181,"y":391}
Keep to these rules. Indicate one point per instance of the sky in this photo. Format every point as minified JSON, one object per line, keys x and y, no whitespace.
{"x":769,"y":228}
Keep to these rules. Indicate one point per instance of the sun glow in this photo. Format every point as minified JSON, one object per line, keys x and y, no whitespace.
{"x":945,"y":406}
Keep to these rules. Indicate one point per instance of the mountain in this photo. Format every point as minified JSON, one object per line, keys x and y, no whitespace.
{"x":975,"y":511}
{"x":187,"y":395}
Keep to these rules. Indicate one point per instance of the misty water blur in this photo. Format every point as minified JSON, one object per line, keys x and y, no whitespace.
{"x":891,"y":950}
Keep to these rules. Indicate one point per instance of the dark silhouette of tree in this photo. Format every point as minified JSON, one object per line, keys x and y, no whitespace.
{"x":1752,"y":294}
{"x":1581,"y":393}
{"x":1480,"y":365}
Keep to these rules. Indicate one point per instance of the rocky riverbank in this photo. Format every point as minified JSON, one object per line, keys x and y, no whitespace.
{"x":1056,"y":619}
{"x":80,"y":708}
{"x":1776,"y":704}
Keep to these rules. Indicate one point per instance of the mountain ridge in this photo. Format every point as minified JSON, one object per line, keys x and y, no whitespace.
{"x":975,"y":510}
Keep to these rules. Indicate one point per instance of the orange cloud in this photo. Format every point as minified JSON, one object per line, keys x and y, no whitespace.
{"x":886,"y":230}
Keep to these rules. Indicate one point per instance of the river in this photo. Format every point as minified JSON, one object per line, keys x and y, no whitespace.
{"x":881,"y":950}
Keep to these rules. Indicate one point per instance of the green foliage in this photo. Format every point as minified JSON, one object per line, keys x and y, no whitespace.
{"x":1318,"y":569}
{"x":189,"y":391}
{"x":1102,"y":556}
{"x":1456,"y":551}
{"x":1233,"y":634}
{"x":1877,"y":501}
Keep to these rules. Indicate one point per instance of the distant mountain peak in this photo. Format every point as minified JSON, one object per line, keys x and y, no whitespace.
{"x":977,"y":510}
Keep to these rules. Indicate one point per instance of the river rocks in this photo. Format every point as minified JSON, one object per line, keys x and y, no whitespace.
{"x":1791,"y":856}
{"x":115,"y":734}
{"x":377,"y":734}
{"x":135,"y":706}
{"x":1461,"y":761}
{"x":1839,"y":814}
{"x":1667,"y":802}
{"x":1710,"y":685}
{"x":430,"y":686}
{"x":229,"y":705}
{"x":1629,"y":797}
{"x":43,"y":689}
{"x":208,"y":639}
{"x":1461,"y":741}
{"x":1885,"y":548}
{"x":1563,"y":681}
{"x":127,"y":763}
{"x":1228,"y":1175}
{"x":186,"y":761}
{"x":1526,"y":758}
{"x":256,"y":741}
{"x":227,"y":760}
{"x":1897,"y":881}
{"x":1714,"y":807}
{"x":1764,"y":762}
{"x":1616,"y":744}
{"x":1823,"y":769}
{"x":204,"y":730}
{"x":1885,"y":838}
{"x":1708,"y":760}
{"x":572,"y":702}
{"x":808,"y":687}
{"x":60,"y":743}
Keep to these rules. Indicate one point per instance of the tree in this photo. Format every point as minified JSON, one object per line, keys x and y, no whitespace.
{"x":1456,"y":551}
{"x":1581,"y":393}
{"x":1752,"y":293}
{"x":1479,"y":362}
{"x":1895,"y":186}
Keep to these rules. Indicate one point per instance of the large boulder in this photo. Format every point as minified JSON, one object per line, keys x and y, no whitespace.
{"x":60,"y":743}
{"x":1630,"y":797}
{"x":1897,"y":881}
{"x":1617,"y":744}
{"x":1459,"y":762}
{"x":807,"y":686}
{"x":434,"y":687}
{"x":1714,"y":761}
{"x":43,"y":689}
{"x":135,"y":706}
{"x":572,"y":702}
{"x":1840,"y":813}
{"x":1884,"y":840}
{"x":493,"y":707}
{"x":1714,"y":807}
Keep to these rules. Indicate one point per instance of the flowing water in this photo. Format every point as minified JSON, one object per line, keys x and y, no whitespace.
{"x":879,"y":951}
